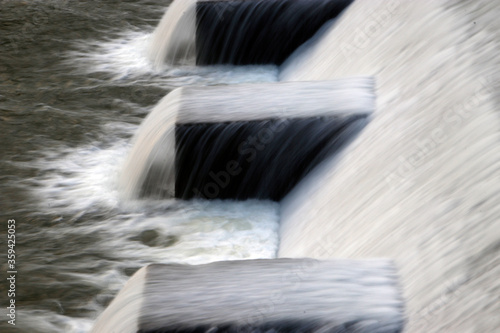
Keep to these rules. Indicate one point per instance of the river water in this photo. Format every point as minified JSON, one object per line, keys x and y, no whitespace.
{"x":75,"y":84}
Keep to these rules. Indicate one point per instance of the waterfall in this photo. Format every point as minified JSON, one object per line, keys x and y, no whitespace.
{"x":258,"y":159}
{"x":280,"y":295}
{"x":173,"y":40}
{"x":418,"y":184}
{"x":219,"y":122}
{"x":208,"y":32}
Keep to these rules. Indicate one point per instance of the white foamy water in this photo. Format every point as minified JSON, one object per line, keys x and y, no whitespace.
{"x":202,"y":231}
{"x":174,"y":39}
{"x":126,"y":57}
{"x":79,"y":187}
{"x":85,"y":181}
{"x":132,"y":234}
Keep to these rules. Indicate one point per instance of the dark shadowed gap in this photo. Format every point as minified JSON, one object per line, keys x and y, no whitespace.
{"x":289,"y":326}
{"x":258,"y":159}
{"x":258,"y":32}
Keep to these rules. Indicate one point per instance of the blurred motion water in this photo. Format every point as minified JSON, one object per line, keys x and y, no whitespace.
{"x":418,"y":185}
{"x":74,"y":86}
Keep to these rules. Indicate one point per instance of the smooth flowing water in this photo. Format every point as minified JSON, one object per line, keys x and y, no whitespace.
{"x":75,"y":84}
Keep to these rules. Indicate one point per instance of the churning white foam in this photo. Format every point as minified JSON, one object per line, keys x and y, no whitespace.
{"x":78,"y":187}
{"x":84,"y":181}
{"x":126,"y":57}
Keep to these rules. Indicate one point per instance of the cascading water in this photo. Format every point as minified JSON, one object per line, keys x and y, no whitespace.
{"x":419,"y":184}
{"x":240,"y":32}
{"x":75,"y":83}
{"x":259,"y":159}
{"x":259,"y":296}
{"x":258,"y":32}
{"x":152,"y":167}
{"x":174,"y":39}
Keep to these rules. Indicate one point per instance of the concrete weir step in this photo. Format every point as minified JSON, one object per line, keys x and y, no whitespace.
{"x":274,"y":295}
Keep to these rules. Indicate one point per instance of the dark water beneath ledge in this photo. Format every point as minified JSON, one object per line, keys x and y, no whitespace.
{"x":74,"y":87}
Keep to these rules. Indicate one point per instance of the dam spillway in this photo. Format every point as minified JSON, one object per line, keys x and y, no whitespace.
{"x":419,"y":182}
